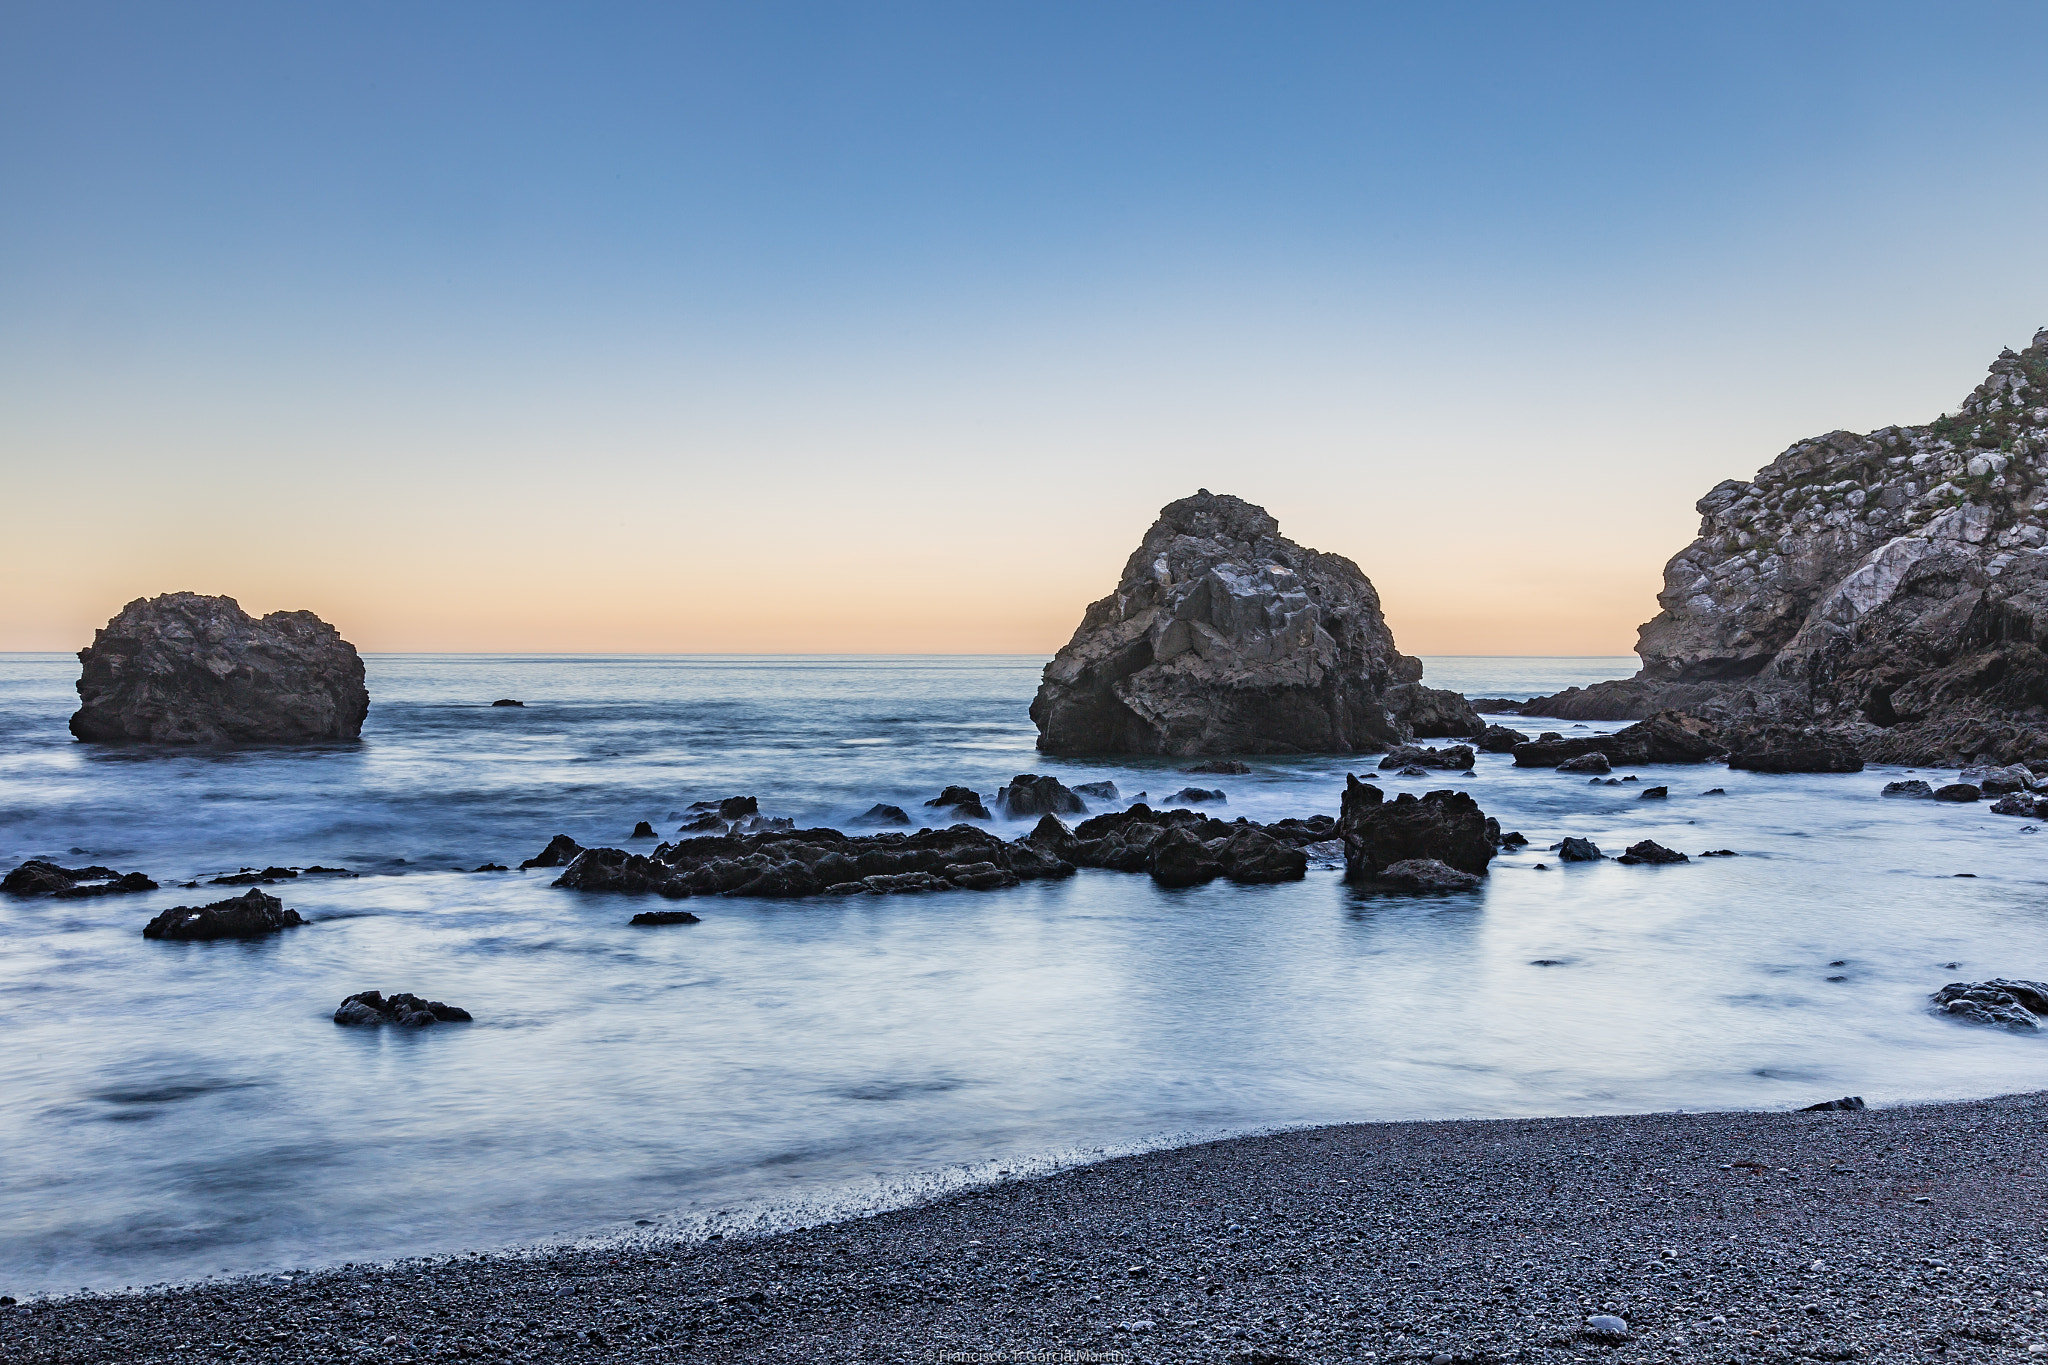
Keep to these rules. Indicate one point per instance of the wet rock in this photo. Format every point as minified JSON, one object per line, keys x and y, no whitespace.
{"x":1445,"y":826}
{"x":1720,"y":853}
{"x":1998,"y":781}
{"x":1592,"y":762}
{"x":1454,"y":758}
{"x":1667,"y":737}
{"x":560,"y":852}
{"x":1499,"y":739}
{"x":979,"y":876}
{"x":1180,"y":858}
{"x":1425,"y":874}
{"x":2000,"y":1002}
{"x":1096,"y":791}
{"x":36,"y":877}
{"x":1606,"y":1325}
{"x":1514,"y":838}
{"x":1957,"y":791}
{"x":251,"y":877}
{"x":1252,"y":855}
{"x":963,"y":803}
{"x":1650,"y":851}
{"x":1655,"y":794}
{"x":1222,"y":637}
{"x":643,"y":830}
{"x":883,"y":815}
{"x":507,"y":701}
{"x":491,"y":867}
{"x":2024,"y":804}
{"x":614,"y":869}
{"x":729,"y":808}
{"x":1912,"y":789}
{"x":1848,"y":1104}
{"x":664,"y":917}
{"x":1197,"y":796}
{"x":703,"y":822}
{"x":1788,"y":749}
{"x":1412,"y":770}
{"x":189,"y":669}
{"x":250,"y":915}
{"x":370,"y":1009}
{"x":1218,"y":767}
{"x":1029,"y":794}
{"x":1579,"y":851}
{"x":900,"y":883}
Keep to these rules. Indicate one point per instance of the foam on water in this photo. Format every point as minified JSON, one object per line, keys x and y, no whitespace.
{"x":172,"y":1110}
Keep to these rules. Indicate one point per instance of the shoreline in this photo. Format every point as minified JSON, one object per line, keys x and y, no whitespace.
{"x":1890,"y":1234}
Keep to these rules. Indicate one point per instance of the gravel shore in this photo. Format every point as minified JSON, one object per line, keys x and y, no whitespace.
{"x":1900,"y":1234}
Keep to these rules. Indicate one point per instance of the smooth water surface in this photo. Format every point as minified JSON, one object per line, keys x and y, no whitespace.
{"x":171,"y":1110}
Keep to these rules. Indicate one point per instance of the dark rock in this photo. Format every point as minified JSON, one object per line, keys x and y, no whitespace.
{"x":1218,"y":767}
{"x":369,"y":1009}
{"x":731,"y":807}
{"x":664,"y":917}
{"x":2018,"y":803}
{"x":1785,"y":749}
{"x":189,"y":669}
{"x":491,"y":867}
{"x":1848,"y":1104}
{"x":250,"y":915}
{"x":643,"y":830}
{"x":1957,"y":791}
{"x":1425,"y":874}
{"x":614,"y":869}
{"x":1252,"y":855}
{"x":1912,"y":788}
{"x":1224,"y":637}
{"x":1445,"y":826}
{"x":1592,"y":762}
{"x":1455,"y":758}
{"x":1579,"y":851}
{"x":2001,"y":1002}
{"x":1497,"y":706}
{"x":1719,"y":853}
{"x":1029,"y":794}
{"x":703,"y":822}
{"x":1412,"y":770}
{"x":1668,"y":737}
{"x":250,"y":877}
{"x":1498,"y":739}
{"x":1196,"y":796}
{"x":37,"y":877}
{"x":963,"y":802}
{"x":883,"y":815}
{"x":560,"y":852}
{"x":507,"y":701}
{"x":1514,"y":839}
{"x":1650,"y":851}
{"x":1180,"y":858}
{"x":1654,"y":794}
{"x":1715,"y":791}
{"x":1100,"y":791}
{"x":1997,"y":781}
{"x":982,"y":876}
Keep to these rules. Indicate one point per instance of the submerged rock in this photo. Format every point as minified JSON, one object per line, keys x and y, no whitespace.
{"x":1655,"y":794}
{"x":1912,"y":788}
{"x":883,"y":815}
{"x":560,"y":852}
{"x":189,"y":669}
{"x":1029,"y":794}
{"x":1848,"y":1104}
{"x":2000,"y":1002}
{"x":1454,"y":758}
{"x":963,"y":802}
{"x":1590,"y":762}
{"x":250,"y":915}
{"x":1425,"y":874}
{"x":249,"y":876}
{"x":1650,"y":851}
{"x":370,"y":1009}
{"x":1198,"y":796}
{"x":1579,"y":851}
{"x":1202,"y":847}
{"x":507,"y":701}
{"x":1218,"y":767}
{"x":1223,"y":636}
{"x":1499,"y":739}
{"x":2018,"y":803}
{"x":643,"y":830}
{"x":664,"y":917}
{"x":1444,"y":826}
{"x":1099,"y":791}
{"x":37,"y":877}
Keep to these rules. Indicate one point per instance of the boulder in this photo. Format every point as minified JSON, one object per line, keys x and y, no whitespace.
{"x":1098,"y":791}
{"x":1028,"y":794}
{"x":2018,"y":803}
{"x":982,"y":876}
{"x":1912,"y":788}
{"x":250,"y":915}
{"x":728,"y":808}
{"x":703,"y":822}
{"x":664,"y":917}
{"x":1786,"y":749}
{"x":1198,"y":796}
{"x":883,"y":815}
{"x":1998,"y":781}
{"x":1217,"y":767}
{"x":2000,"y":1002}
{"x":370,"y":1009}
{"x":188,"y":669}
{"x":1425,"y":874}
{"x":1445,"y":826}
{"x":1499,"y":739}
{"x":1454,"y":758}
{"x":1650,"y":851}
{"x":1224,"y":637}
{"x":1592,"y":762}
{"x":560,"y":852}
{"x":643,"y":830}
{"x":964,"y":803}
{"x":37,"y":877}
{"x":1253,"y":855}
{"x":1579,"y":851}
{"x":1655,"y":794}
{"x":1961,"y":792}
{"x":1514,"y":838}
{"x":1180,"y":858}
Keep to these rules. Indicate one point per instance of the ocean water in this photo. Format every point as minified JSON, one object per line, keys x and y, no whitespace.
{"x":169,"y":1111}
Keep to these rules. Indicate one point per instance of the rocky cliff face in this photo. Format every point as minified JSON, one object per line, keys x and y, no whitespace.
{"x":1891,"y":588}
{"x":1223,"y":636}
{"x":188,"y":669}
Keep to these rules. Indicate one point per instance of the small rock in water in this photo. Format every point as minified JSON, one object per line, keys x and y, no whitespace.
{"x":1715,"y":791}
{"x":1427,"y":874}
{"x":1514,"y":838}
{"x":37,"y":877}
{"x":879,"y":814}
{"x":368,"y":1009}
{"x":492,"y":867}
{"x":250,"y":877}
{"x":2001,"y":1002}
{"x":507,"y":701}
{"x":251,"y":915}
{"x":1720,"y":853}
{"x":1595,"y":762}
{"x":560,"y":852}
{"x":1650,"y":851}
{"x":963,"y":802}
{"x":1912,"y":788}
{"x":1848,"y":1104}
{"x":1654,"y":794}
{"x":1029,"y":794}
{"x":1579,"y":851}
{"x":643,"y":830}
{"x":1101,"y":791}
{"x":1196,"y":796}
{"x":1957,"y":791}
{"x":1219,"y":767}
{"x":664,"y":917}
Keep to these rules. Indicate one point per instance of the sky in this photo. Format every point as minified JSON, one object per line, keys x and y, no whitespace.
{"x":834,"y":327}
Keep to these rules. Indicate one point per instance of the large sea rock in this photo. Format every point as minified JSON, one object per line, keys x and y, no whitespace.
{"x":1223,"y":636}
{"x":1888,"y":590}
{"x":188,"y":669}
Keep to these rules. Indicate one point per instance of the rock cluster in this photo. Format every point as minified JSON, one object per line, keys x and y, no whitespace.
{"x":370,"y":1009}
{"x":37,"y":877}
{"x":1184,"y":847}
{"x":250,"y":915}
{"x":189,"y":669}
{"x":1223,"y":636}
{"x":1668,"y":737}
{"x":1442,"y":826}
{"x":1891,"y":588}
{"x":2000,"y":1002}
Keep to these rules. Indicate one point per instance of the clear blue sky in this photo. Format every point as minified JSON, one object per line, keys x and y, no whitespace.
{"x":890,"y":326}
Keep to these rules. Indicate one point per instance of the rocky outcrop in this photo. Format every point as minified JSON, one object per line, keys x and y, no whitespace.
{"x":2003,"y":1003}
{"x":961,"y":803}
{"x":1184,"y":847}
{"x":189,"y":669}
{"x":370,"y":1009}
{"x":37,"y":877}
{"x":560,"y":852}
{"x":1028,"y":794}
{"x":1668,"y":737}
{"x":1890,"y":587}
{"x":1426,"y":874}
{"x":1650,"y":851}
{"x":250,"y":915}
{"x":1223,"y":636}
{"x":1794,"y":749}
{"x":1452,"y":757}
{"x":1443,"y":826}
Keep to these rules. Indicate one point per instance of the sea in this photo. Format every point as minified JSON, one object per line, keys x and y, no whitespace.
{"x":174,"y":1111}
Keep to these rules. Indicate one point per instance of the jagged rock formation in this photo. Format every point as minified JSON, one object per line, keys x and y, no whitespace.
{"x":251,"y":915}
{"x":1889,"y":588}
{"x":1442,"y":826}
{"x":188,"y":669}
{"x":1223,"y":636}
{"x":370,"y":1009}
{"x":38,"y":877}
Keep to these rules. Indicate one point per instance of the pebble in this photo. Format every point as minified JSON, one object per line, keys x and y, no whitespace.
{"x":1607,"y":1325}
